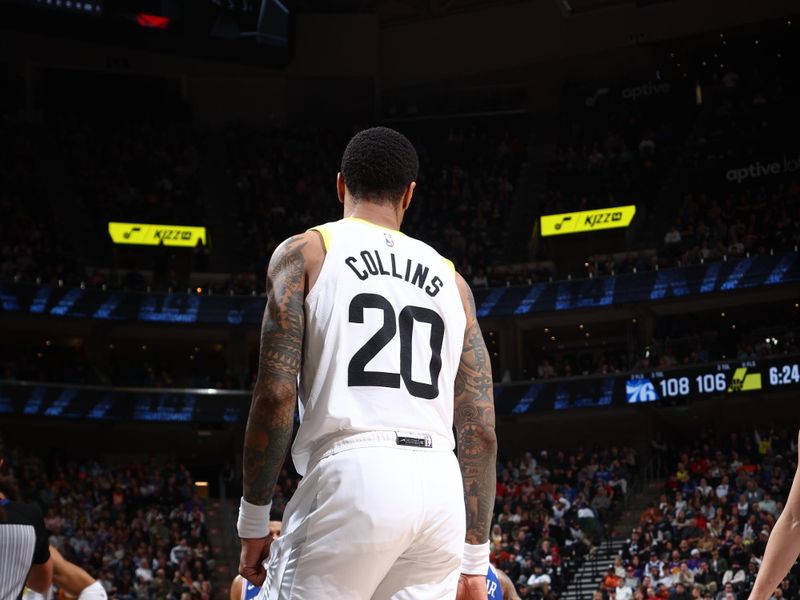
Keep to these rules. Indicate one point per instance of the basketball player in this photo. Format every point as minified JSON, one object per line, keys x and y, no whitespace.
{"x":73,"y":580}
{"x":241,"y":589}
{"x":499,"y":586}
{"x":24,"y":550}
{"x":783,"y":546}
{"x":377,"y":335}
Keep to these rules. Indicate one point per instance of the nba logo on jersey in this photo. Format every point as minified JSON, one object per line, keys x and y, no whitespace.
{"x":388,"y":239}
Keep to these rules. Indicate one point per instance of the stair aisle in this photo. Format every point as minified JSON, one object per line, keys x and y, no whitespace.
{"x":589,"y":576}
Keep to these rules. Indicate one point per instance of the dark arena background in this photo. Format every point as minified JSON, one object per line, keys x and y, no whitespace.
{"x":618,"y":181}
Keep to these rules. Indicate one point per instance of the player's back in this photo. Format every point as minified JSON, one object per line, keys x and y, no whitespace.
{"x":383,"y":338}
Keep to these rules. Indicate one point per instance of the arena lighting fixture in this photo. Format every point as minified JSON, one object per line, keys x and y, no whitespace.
{"x":200,"y":484}
{"x":152,"y":21}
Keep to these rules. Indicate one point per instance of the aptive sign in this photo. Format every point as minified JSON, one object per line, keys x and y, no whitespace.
{"x":758,"y":169}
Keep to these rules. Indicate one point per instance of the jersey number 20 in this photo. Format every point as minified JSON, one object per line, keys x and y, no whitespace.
{"x":357,"y":375}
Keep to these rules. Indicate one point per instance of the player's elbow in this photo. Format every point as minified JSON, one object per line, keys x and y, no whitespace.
{"x":487,"y":439}
{"x":276,"y":392}
{"x":794,"y":523}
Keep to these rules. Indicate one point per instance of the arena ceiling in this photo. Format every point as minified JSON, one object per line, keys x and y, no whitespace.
{"x":394,"y":11}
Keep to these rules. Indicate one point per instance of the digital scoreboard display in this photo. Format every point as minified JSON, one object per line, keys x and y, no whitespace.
{"x":721,"y":378}
{"x":679,"y":385}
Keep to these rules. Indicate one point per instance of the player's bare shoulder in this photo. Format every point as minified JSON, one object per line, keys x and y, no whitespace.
{"x":467,"y":298}
{"x":300,"y":256}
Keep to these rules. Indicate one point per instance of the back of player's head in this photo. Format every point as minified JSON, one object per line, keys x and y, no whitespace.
{"x":378,"y":165}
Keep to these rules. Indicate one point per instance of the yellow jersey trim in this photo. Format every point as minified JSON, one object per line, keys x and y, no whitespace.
{"x":371,"y":224}
{"x":450,"y":265}
{"x":325,"y":233}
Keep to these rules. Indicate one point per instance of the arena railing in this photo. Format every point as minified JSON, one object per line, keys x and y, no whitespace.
{"x":200,"y":306}
{"x":677,"y":385}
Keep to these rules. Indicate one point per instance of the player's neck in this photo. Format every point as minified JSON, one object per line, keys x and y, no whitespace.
{"x":385,"y":215}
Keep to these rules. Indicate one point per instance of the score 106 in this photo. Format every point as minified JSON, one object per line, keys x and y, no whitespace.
{"x":702,"y":383}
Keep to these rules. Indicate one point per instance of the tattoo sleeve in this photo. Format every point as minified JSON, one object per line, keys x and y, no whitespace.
{"x":271,"y":419}
{"x":474,"y":421}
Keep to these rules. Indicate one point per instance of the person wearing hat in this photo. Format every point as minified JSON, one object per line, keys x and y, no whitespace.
{"x":783,"y":546}
{"x":631,"y":580}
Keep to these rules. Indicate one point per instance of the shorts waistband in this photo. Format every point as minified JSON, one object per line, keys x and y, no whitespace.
{"x":402,"y":440}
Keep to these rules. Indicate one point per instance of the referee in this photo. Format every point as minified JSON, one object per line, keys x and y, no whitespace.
{"x":24,"y":546}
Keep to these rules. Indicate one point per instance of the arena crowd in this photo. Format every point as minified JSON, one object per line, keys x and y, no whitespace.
{"x":138,"y":528}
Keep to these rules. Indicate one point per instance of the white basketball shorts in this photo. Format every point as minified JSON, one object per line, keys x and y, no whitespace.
{"x":372,"y":520}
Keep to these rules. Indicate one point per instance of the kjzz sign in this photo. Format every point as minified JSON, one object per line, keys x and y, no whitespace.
{"x":587,"y":220}
{"x":147,"y":234}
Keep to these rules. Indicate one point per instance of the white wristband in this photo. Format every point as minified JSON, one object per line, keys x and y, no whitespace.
{"x":253,"y":520}
{"x":475,"y":560}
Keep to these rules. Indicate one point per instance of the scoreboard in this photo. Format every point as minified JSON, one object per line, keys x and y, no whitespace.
{"x":678,"y":385}
{"x":725,"y":377}
{"x":728,"y":377}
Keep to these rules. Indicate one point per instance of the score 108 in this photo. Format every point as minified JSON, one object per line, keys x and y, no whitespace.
{"x":702,"y":383}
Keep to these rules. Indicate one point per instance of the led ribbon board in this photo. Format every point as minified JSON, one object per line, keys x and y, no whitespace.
{"x":587,"y":220}
{"x":146,"y":234}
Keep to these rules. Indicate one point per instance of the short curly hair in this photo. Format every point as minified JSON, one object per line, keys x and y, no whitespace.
{"x":379,"y":164}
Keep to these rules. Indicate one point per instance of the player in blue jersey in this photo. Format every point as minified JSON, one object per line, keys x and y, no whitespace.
{"x":241,"y":589}
{"x":493,"y":587}
{"x":499,"y":586}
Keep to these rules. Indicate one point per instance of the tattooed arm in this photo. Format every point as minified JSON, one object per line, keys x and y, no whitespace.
{"x":271,"y":419}
{"x":474,"y":421}
{"x":783,"y":546}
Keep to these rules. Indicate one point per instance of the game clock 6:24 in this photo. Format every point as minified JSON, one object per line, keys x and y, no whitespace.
{"x":784,"y":374}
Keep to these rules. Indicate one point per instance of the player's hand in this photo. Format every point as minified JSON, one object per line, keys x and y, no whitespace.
{"x":251,"y":561}
{"x":472,"y":587}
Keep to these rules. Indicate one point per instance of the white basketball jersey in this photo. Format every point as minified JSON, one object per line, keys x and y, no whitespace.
{"x":384,"y":332}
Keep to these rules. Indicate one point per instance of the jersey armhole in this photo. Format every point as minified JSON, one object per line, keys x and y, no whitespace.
{"x":325,"y":234}
{"x":450,"y":265}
